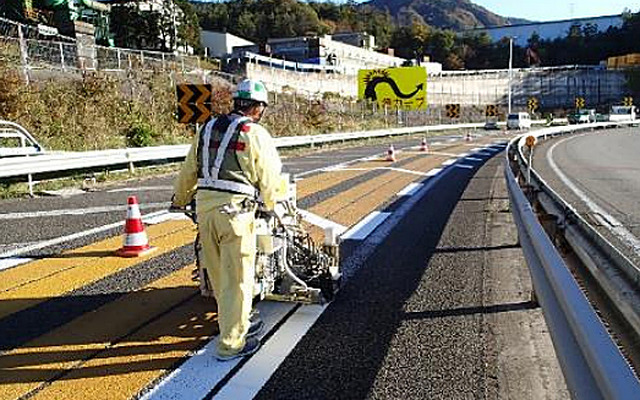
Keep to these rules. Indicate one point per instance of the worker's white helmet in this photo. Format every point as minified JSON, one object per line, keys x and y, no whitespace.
{"x":251,"y":89}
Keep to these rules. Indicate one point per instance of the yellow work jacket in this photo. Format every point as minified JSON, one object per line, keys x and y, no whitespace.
{"x":259,"y":160}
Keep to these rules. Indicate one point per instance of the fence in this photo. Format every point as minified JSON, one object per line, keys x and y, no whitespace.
{"x":25,"y":44}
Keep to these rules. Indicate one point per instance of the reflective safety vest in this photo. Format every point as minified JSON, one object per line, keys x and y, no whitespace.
{"x":218,"y":166}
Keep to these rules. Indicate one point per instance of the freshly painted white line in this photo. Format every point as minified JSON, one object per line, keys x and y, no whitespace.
{"x":140,"y":189}
{"x":473,"y":159}
{"x":195,"y":378}
{"x":170,"y":216}
{"x":12,"y":262}
{"x":434,"y":172}
{"x":62,"y":239}
{"x":321,"y":222}
{"x":78,"y":211}
{"x":449,"y":162}
{"x":367,"y":225}
{"x":409,"y":189}
{"x":464,"y":166}
{"x":616,"y":226}
{"x":476,"y":149}
{"x":257,"y":371}
{"x":436,"y":143}
{"x":463,"y":155}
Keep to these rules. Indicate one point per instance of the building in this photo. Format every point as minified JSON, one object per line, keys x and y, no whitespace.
{"x":220,"y":45}
{"x":324,"y":51}
{"x":547,"y":30}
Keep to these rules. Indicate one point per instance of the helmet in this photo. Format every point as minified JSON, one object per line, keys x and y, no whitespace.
{"x":251,"y":89}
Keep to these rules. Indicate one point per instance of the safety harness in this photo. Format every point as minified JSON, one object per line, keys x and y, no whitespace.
{"x":209,"y":175}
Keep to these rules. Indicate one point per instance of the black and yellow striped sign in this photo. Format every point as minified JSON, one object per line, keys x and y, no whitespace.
{"x":627,"y":101}
{"x":492,"y":110}
{"x":532,"y":104}
{"x":580,"y":102}
{"x":453,"y":110}
{"x":194,"y":103}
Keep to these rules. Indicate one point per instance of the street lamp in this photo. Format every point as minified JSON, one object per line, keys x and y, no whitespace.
{"x":510,"y":69}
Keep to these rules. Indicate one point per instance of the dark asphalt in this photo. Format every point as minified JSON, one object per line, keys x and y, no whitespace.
{"x":409,"y":324}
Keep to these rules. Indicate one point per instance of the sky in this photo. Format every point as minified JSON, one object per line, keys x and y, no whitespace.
{"x":551,"y":10}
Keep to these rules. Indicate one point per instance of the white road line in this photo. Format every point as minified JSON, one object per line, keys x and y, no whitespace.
{"x":463,"y":155}
{"x":335,"y":167}
{"x":434,"y":172}
{"x":449,"y":162}
{"x":12,"y":262}
{"x":195,"y":378}
{"x":62,"y":239}
{"x":78,"y":211}
{"x":473,"y":159}
{"x":464,"y":166}
{"x":140,"y":189}
{"x":257,"y":371}
{"x":410,"y":189}
{"x":617,"y":229}
{"x":321,"y":222}
{"x":367,"y":225}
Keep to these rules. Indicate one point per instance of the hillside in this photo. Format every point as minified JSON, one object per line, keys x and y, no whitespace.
{"x":450,"y":14}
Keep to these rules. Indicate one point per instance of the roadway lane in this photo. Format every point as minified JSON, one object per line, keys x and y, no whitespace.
{"x":27,"y":222}
{"x":599,"y":174}
{"x":79,"y":321}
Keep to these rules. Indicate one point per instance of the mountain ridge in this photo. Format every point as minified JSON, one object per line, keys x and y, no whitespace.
{"x":457,"y":15}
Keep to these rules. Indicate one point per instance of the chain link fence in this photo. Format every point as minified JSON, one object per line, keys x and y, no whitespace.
{"x":36,"y":48}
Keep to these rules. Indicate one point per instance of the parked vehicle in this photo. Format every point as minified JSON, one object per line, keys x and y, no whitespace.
{"x":491,"y":125}
{"x":622,"y":113}
{"x":520,"y":120}
{"x":17,"y":141}
{"x":582,"y":116}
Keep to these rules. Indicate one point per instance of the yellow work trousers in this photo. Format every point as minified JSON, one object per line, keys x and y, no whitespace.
{"x":228,"y":255}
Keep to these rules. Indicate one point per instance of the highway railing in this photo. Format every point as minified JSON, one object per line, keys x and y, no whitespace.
{"x":592,"y":363}
{"x":60,"y":163}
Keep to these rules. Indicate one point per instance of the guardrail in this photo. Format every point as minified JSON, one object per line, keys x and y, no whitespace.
{"x":592,"y":364}
{"x":63,"y":162}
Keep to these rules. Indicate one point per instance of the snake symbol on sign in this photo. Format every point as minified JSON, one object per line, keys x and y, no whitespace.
{"x":380,"y":76}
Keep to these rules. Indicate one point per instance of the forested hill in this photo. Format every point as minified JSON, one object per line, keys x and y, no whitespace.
{"x":450,"y":14}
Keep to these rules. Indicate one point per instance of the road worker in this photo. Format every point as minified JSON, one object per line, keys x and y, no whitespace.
{"x":232,"y":161}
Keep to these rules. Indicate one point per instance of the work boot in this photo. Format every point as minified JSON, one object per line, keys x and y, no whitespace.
{"x":256,"y":327}
{"x":251,"y":346}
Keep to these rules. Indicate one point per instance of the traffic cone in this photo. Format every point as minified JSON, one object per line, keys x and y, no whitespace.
{"x":423,"y":145}
{"x":391,"y":154}
{"x":136,"y":242}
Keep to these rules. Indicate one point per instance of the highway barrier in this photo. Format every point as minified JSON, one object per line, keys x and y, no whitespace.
{"x":592,"y":364}
{"x":56,"y":164}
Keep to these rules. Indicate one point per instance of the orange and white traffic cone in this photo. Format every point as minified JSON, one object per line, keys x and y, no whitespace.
{"x":136,"y":242}
{"x":391,"y":154}
{"x":423,"y":145}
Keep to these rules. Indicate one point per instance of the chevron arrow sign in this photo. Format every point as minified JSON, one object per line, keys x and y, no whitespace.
{"x":194,"y":103}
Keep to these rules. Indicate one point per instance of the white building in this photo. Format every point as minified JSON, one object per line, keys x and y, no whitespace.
{"x":548,"y":30}
{"x":220,"y":45}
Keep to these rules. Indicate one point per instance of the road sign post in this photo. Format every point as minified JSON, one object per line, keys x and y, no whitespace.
{"x":530,"y":142}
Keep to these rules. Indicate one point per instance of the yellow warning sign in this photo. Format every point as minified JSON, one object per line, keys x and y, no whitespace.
{"x":403,"y":88}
